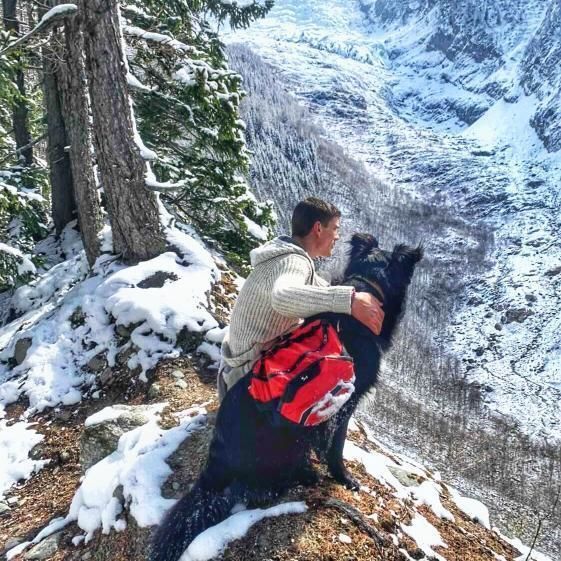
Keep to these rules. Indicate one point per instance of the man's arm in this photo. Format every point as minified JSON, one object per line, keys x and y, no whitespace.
{"x":292,"y":297}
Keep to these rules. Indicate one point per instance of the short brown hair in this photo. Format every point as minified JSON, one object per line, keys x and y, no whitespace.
{"x":308,"y":212}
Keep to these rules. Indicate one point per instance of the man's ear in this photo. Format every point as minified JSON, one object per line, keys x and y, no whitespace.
{"x":317,"y":227}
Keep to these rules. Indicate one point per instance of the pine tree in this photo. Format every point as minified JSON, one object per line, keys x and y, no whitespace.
{"x":19,"y":106}
{"x":22,"y":180}
{"x":132,"y":209}
{"x":71,"y":80}
{"x":186,"y":110}
{"x":63,"y":203}
{"x":187,"y":105}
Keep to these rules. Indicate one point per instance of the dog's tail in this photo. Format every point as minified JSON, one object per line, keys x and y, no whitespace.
{"x":194,"y":513}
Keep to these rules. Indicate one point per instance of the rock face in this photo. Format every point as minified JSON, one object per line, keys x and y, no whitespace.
{"x":482,"y":31}
{"x":542,"y":76}
{"x":4,"y":508}
{"x":517,"y":315}
{"x":101,"y":439}
{"x":492,"y":49}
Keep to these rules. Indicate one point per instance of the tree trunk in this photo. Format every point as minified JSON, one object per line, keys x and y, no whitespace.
{"x":133,"y":210}
{"x":72,"y":83}
{"x":19,"y":115}
{"x":60,"y":174}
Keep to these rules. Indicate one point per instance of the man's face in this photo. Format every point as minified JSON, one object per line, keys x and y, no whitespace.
{"x":327,"y":236}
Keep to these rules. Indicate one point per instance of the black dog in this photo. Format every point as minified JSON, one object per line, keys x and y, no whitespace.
{"x":250,"y":460}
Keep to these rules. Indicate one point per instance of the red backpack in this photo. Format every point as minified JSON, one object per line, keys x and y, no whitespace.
{"x":304,"y":378}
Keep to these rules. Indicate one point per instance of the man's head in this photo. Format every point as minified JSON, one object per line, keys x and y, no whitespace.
{"x":315,"y":225}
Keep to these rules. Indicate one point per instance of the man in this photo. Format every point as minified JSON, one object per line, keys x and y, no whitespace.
{"x":283,"y":288}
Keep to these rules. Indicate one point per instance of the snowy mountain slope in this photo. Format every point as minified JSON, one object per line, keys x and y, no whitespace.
{"x":466,"y":54}
{"x":496,"y":173}
{"x":542,"y":76}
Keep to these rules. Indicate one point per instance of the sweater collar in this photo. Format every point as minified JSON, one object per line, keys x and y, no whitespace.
{"x":283,"y":245}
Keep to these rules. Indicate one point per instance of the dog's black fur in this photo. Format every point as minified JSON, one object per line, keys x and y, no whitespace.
{"x":250,"y":460}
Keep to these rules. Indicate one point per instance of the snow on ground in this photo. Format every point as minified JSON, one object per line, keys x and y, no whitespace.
{"x":67,"y":319}
{"x":428,"y":493}
{"x":412,"y":481}
{"x":403,"y":478}
{"x":155,"y":299}
{"x":426,"y":536}
{"x":474,"y":509}
{"x":138,"y":465}
{"x":16,"y":441}
{"x":214,"y":540}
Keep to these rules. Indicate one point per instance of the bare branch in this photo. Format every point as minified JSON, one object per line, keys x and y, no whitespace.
{"x":21,"y":149}
{"x":359,"y":519}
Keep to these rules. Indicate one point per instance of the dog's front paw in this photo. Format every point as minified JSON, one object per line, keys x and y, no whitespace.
{"x":343,"y":477}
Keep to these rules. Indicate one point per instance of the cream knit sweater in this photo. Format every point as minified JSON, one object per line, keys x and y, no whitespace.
{"x":282,"y":288}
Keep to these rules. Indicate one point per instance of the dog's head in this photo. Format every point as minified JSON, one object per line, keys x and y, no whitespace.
{"x":391,"y":271}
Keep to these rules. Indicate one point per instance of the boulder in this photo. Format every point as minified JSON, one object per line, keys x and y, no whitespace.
{"x":157,"y":280}
{"x":122,"y":331}
{"x":106,"y":377}
{"x":97,"y":363}
{"x":406,"y":478}
{"x":4,"y":509}
{"x":189,"y":341}
{"x":37,"y":452}
{"x":12,"y":542}
{"x":154,"y":392}
{"x":101,"y":439}
{"x":518,"y":315}
{"x":125,"y":354}
{"x":553,"y":272}
{"x":22,"y":346}
{"x":77,"y":318}
{"x":44,"y":549}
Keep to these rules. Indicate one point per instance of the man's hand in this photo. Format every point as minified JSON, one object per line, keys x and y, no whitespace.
{"x":368,"y":310}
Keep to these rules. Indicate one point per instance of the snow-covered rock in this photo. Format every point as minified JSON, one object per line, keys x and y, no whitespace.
{"x":103,"y":430}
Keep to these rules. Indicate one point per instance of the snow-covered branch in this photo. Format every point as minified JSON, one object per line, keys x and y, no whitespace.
{"x":49,"y":19}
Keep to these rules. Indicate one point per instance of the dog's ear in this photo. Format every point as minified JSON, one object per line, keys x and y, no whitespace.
{"x":404,"y":252}
{"x":361,"y":245}
{"x":403,"y":261}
